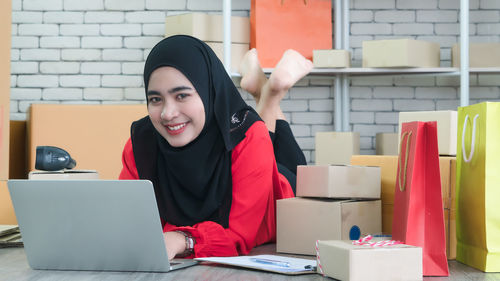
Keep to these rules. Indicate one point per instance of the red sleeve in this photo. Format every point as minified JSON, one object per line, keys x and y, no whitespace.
{"x":256,"y":187}
{"x":129,"y":170}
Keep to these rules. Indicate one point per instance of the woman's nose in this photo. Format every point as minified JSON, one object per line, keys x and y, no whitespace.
{"x":169,"y":112}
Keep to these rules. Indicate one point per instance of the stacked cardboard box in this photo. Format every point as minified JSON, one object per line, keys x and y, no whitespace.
{"x":480,"y":55}
{"x":389,"y":166}
{"x":333,"y":202}
{"x":386,"y":143}
{"x":209,"y":28}
{"x":6,"y":212}
{"x":446,"y":127}
{"x":336,"y":148}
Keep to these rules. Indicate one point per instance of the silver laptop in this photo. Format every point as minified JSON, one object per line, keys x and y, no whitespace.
{"x":91,"y":225}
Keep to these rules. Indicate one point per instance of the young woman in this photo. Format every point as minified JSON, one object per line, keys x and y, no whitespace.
{"x":210,"y":156}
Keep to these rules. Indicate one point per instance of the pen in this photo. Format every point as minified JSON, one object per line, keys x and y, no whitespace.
{"x":271,"y":262}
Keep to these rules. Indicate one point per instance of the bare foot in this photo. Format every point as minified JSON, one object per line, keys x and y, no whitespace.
{"x":290,"y":69}
{"x":252,"y":76}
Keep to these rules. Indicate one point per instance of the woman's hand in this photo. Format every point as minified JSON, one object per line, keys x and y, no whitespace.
{"x":175,"y":243}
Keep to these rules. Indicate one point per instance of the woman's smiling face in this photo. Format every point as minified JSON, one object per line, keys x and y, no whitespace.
{"x":174,"y":106}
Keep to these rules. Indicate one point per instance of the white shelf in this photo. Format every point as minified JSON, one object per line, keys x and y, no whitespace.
{"x":360,"y":71}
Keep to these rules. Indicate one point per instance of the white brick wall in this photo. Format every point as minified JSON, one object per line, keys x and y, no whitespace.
{"x":93,"y":51}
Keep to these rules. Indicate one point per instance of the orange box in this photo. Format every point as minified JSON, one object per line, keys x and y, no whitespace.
{"x":277,"y":25}
{"x":5,"y":38}
{"x":94,"y":135}
{"x":7,"y":215}
{"x":389,"y":167}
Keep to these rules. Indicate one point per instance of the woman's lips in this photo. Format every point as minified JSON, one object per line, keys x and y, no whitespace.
{"x":175,"y":129}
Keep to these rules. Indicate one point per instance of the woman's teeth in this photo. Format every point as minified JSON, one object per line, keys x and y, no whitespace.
{"x":176,"y":127}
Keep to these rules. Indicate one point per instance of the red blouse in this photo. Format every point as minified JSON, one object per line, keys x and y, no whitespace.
{"x":257,"y":185}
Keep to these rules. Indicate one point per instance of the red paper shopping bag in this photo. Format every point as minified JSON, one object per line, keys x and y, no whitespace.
{"x":418,"y":217}
{"x":278,"y":25}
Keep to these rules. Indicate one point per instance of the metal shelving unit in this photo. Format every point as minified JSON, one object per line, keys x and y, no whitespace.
{"x":341,"y":75}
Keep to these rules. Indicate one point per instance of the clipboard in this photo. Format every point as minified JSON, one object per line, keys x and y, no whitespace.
{"x":295,"y":266}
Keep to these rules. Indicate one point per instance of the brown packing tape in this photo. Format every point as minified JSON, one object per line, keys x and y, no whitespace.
{"x":7,"y":215}
{"x":18,"y":160}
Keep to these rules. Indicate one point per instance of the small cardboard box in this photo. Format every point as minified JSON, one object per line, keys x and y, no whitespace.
{"x":400,"y":53}
{"x":64,"y":175}
{"x":94,"y":135}
{"x":338,"y":181}
{"x":302,"y":221}
{"x":386,"y":143}
{"x":344,"y":261}
{"x":331,"y":58}
{"x":336,"y":148}
{"x":208,"y":27}
{"x":480,"y":55}
{"x":446,"y":127}
{"x":7,"y":215}
{"x":238,"y":51}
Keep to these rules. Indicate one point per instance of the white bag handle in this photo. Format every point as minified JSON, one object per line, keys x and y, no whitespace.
{"x":467,"y":159}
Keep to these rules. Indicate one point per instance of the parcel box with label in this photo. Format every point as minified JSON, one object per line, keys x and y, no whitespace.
{"x":446,"y":127}
{"x":332,"y":181}
{"x":347,"y":262}
{"x":331,"y":58}
{"x":208,"y":27}
{"x":302,"y":221}
{"x":336,"y":147}
{"x":400,"y":53}
{"x":386,"y":143}
{"x":480,"y":55}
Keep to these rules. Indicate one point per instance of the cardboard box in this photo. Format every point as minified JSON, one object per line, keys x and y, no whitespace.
{"x":17,"y":150}
{"x":336,"y":148}
{"x":7,"y":215}
{"x":238,"y":51}
{"x":338,"y":181}
{"x":386,"y":143}
{"x":302,"y":221}
{"x":480,"y":55}
{"x":446,"y":127}
{"x":400,"y":53}
{"x":64,"y":175}
{"x":5,"y":82}
{"x":388,"y":169}
{"x":208,"y":27}
{"x":344,"y":261}
{"x":451,"y":233}
{"x":331,"y":58}
{"x":94,"y":135}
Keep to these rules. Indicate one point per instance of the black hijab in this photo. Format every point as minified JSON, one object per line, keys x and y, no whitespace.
{"x":193,"y":183}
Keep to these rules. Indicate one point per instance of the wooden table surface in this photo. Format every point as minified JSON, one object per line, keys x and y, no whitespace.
{"x":14,"y":266}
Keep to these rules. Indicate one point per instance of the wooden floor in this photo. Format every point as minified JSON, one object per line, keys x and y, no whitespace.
{"x":14,"y":266}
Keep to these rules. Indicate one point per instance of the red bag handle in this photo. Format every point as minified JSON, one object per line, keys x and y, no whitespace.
{"x":403,"y":187}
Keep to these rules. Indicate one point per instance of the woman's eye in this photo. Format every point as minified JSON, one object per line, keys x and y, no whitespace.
{"x":181,"y":96}
{"x":153,"y":99}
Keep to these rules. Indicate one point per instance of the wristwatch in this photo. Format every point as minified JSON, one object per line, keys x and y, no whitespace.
{"x":190,"y":242}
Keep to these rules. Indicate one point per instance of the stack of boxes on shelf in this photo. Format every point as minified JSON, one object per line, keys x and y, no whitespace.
{"x":447,"y":132}
{"x":333,"y":202}
{"x":209,"y":28}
